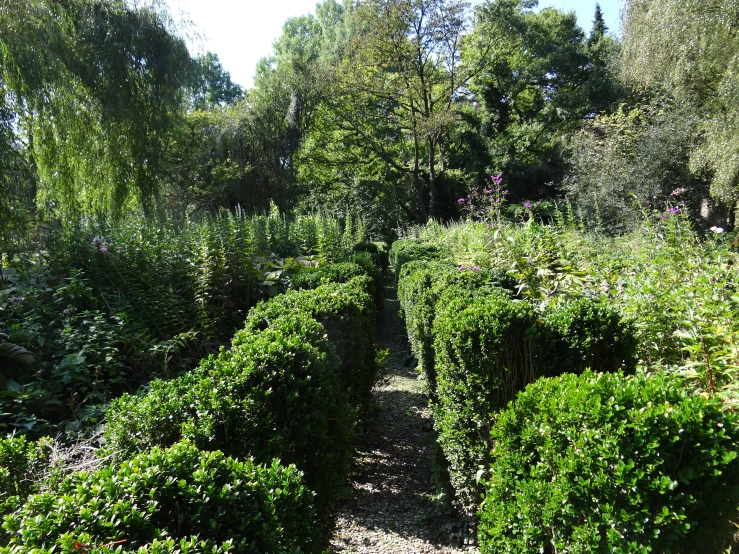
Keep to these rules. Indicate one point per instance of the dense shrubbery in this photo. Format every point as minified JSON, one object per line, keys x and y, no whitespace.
{"x":22,"y":463}
{"x":403,"y":251}
{"x":103,"y":308}
{"x":607,"y":463}
{"x":172,"y":495}
{"x":479,"y":346}
{"x":273,"y":395}
{"x":347,"y":313}
{"x":420,"y":285}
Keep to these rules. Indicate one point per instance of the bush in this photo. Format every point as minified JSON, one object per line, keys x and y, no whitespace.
{"x":169,"y":495}
{"x":489,"y":347}
{"x":584,"y":334}
{"x":369,"y":264}
{"x":308,"y":279}
{"x":420,"y":285}
{"x":378,"y":251}
{"x":403,"y":251}
{"x":347,"y":313}
{"x":607,"y":463}
{"x":482,"y":345}
{"x":273,"y":395}
{"x":22,"y":464}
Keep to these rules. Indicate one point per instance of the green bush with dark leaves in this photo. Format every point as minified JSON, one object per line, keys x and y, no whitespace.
{"x":332,"y":273}
{"x":489,"y":346}
{"x":482,"y":342}
{"x":609,"y":463}
{"x":420,"y":285}
{"x":403,"y":251}
{"x":584,"y":334}
{"x":378,"y":251}
{"x":275,"y":394}
{"x":347,"y":313}
{"x":165,"y":496}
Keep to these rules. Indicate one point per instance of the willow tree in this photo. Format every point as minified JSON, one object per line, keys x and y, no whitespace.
{"x":691,"y":48}
{"x":95,"y":87}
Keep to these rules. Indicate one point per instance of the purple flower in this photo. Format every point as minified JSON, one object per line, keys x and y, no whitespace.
{"x":673,"y":211}
{"x":505,"y":191}
{"x":460,"y":201}
{"x":528,"y":205}
{"x":96,"y":240}
{"x":488,"y":191}
{"x":497,"y":179}
{"x":103,"y":249}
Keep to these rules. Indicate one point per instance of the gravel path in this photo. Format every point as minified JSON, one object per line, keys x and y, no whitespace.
{"x":392,"y":506}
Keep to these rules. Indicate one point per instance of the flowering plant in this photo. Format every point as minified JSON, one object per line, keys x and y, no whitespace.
{"x":486,"y":202}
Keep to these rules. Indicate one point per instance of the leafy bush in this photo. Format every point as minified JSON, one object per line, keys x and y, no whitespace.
{"x":607,"y":463}
{"x":378,"y":251}
{"x":407,"y":250}
{"x":22,"y":462}
{"x":273,"y":395}
{"x":332,"y":273}
{"x":584,"y":334}
{"x":347,"y":313}
{"x":489,"y":347}
{"x":420,"y":285}
{"x":483,"y":358}
{"x":169,"y":495}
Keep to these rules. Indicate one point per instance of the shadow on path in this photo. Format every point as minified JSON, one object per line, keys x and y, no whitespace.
{"x":391,"y":506}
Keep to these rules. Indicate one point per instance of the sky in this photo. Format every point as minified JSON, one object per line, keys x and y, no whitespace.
{"x":241,"y":32}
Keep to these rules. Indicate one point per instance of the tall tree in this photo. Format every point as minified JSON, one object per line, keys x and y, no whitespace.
{"x":690,"y":47}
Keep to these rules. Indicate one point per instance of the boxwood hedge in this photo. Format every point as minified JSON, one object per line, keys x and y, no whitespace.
{"x":611,"y":463}
{"x":420,"y":285}
{"x":347,"y":313}
{"x":489,"y":346}
{"x":273,"y":395}
{"x":403,"y":251}
{"x":167,"y":497}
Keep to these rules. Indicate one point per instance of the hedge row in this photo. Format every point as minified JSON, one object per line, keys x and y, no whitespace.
{"x":403,"y":251}
{"x":288,"y":389}
{"x":609,"y":463}
{"x":167,"y":496}
{"x":479,"y":346}
{"x":564,"y":459}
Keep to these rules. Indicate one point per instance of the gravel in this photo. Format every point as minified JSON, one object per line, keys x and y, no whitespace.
{"x":393,"y":505}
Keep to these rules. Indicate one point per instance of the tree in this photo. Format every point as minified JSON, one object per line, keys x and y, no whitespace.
{"x":95,"y":87}
{"x":212,"y":84}
{"x":690,"y":48}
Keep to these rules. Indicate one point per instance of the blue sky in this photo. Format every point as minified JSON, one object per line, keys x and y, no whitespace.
{"x":242,"y":31}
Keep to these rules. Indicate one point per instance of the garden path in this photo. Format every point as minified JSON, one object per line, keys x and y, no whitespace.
{"x":392,"y":507}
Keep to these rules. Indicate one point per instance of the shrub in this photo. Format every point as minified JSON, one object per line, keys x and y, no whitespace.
{"x":378,"y":251}
{"x":420,"y":285}
{"x":482,"y":344}
{"x":347,"y":313}
{"x":169,"y":495}
{"x":368,"y":263}
{"x":403,"y":251}
{"x":274,"y":395}
{"x":332,"y":273}
{"x":22,"y":463}
{"x":584,"y":334}
{"x":608,"y":463}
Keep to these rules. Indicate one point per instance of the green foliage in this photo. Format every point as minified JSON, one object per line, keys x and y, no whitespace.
{"x":407,"y":250}
{"x":331,"y":273}
{"x":483,"y":352}
{"x":274,"y":394}
{"x":604,"y":463}
{"x":22,"y":463}
{"x":347,"y":313}
{"x":420,"y":285}
{"x":584,"y":334}
{"x":378,"y":251}
{"x":170,"y":495}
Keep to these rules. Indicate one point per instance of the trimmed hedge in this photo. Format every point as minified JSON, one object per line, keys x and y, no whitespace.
{"x":347,"y":313}
{"x":308,"y":279}
{"x":608,"y":463}
{"x":482,"y":344}
{"x":489,"y":347}
{"x":162,"y":497}
{"x":403,"y":251}
{"x":275,"y":394}
{"x":420,"y":285}
{"x":584,"y":334}
{"x":378,"y":251}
